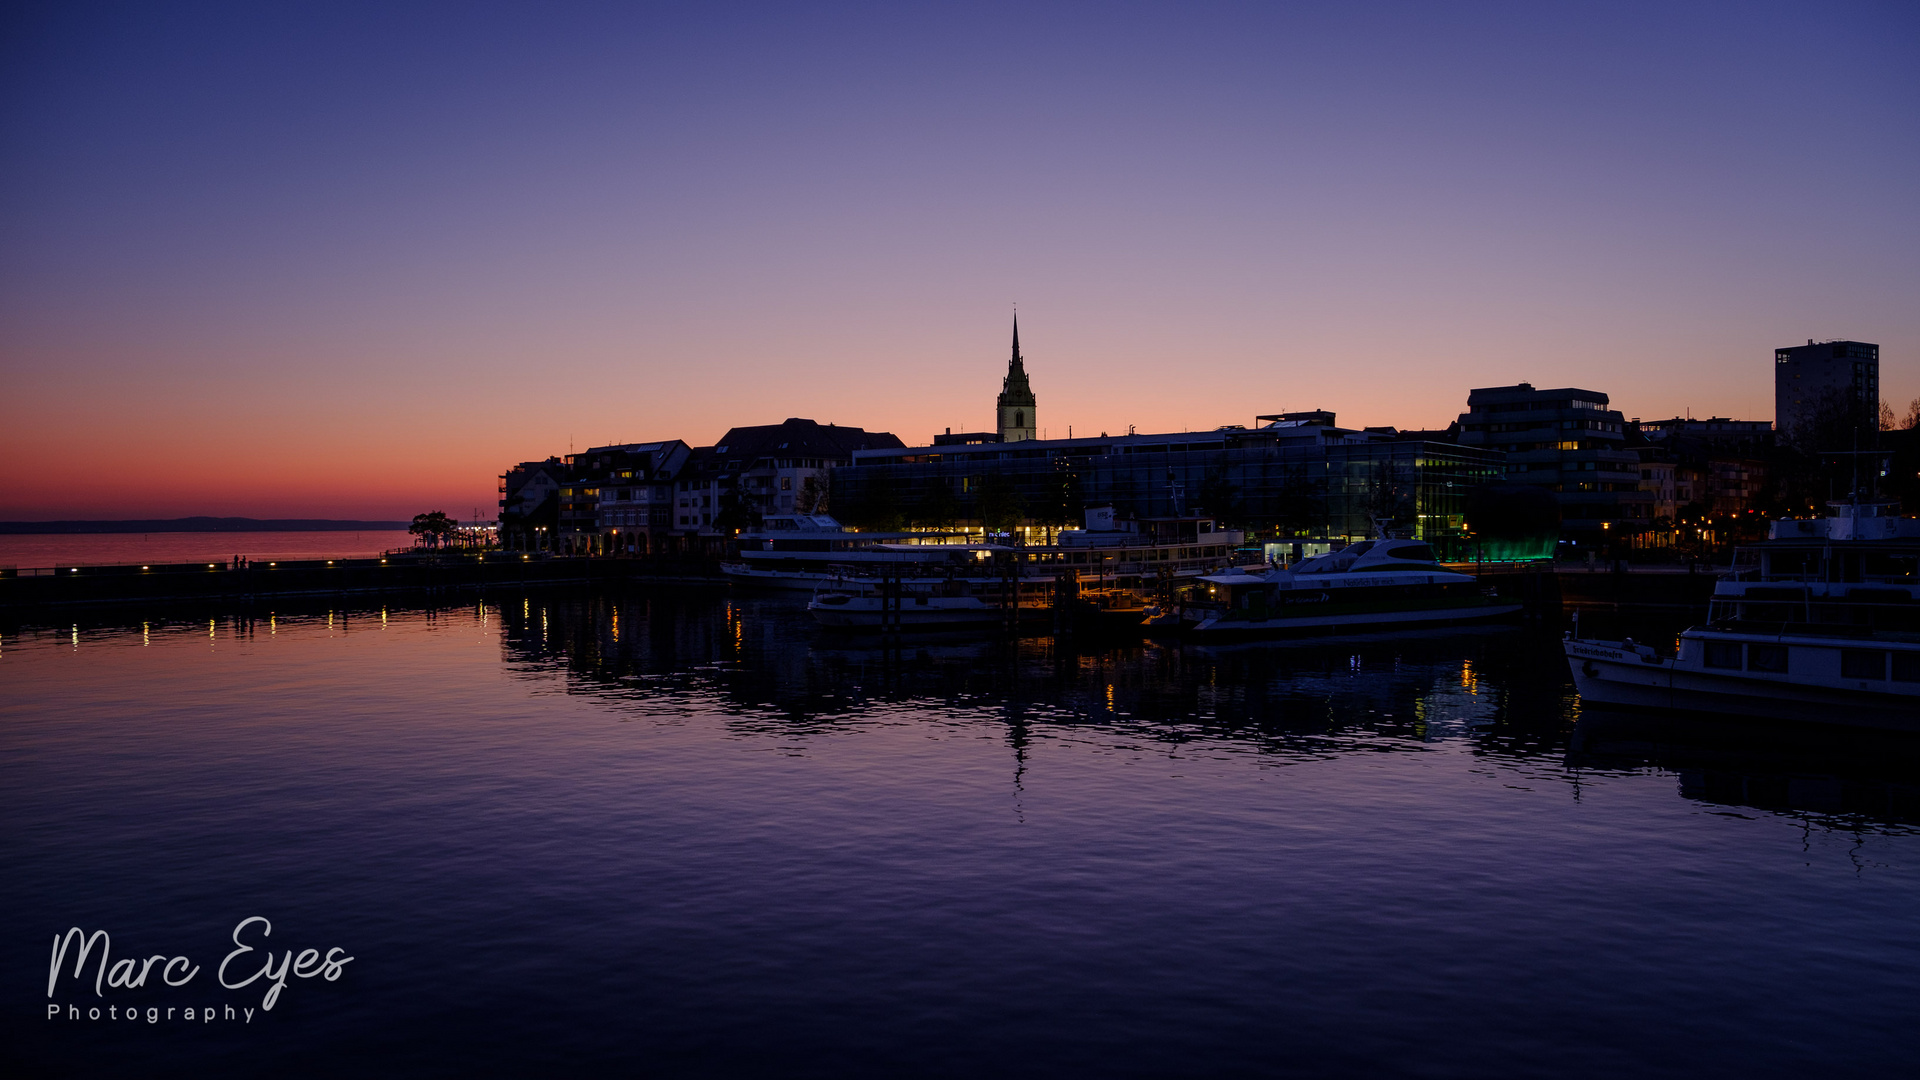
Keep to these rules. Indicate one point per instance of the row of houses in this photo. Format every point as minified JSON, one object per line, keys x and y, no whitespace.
{"x":667,"y":497}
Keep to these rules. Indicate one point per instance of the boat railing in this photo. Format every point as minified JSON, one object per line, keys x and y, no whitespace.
{"x":1754,"y":574}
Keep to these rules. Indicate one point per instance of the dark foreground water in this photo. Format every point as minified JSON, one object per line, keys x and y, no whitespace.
{"x":669,"y":833}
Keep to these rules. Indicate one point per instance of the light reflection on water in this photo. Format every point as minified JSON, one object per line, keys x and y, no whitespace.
{"x":675,"y":830}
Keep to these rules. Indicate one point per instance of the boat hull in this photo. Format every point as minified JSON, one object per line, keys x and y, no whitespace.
{"x":1347,"y":622}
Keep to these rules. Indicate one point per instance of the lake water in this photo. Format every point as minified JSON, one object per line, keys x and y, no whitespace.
{"x":669,"y":832}
{"x":110,"y":549}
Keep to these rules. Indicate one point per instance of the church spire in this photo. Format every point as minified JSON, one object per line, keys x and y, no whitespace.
{"x":1016,"y":405}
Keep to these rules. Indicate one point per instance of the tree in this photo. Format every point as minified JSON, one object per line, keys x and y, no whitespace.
{"x":813,"y":496}
{"x":735,"y":512}
{"x":1300,"y":503}
{"x":1219,"y":497}
{"x":432,"y":528}
{"x":1001,"y":507}
{"x":1912,"y":419}
{"x":1388,"y":497}
{"x":936,"y":508}
{"x":874,"y":504}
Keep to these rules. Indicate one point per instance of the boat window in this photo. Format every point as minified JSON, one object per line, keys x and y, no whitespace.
{"x":1359,"y":549}
{"x":1906,"y":667}
{"x":1723,"y":654}
{"x":1416,"y":552}
{"x":1769,"y":658}
{"x":1863,"y":664}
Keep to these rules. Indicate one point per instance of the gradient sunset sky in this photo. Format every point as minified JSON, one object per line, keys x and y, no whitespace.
{"x":341,"y":260}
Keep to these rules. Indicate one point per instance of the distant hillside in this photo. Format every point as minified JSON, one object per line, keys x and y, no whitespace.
{"x":200,"y":524}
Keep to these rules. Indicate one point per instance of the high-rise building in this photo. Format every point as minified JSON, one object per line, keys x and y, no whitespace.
{"x":1569,"y":442}
{"x":1826,"y":393}
{"x":1017,"y":423}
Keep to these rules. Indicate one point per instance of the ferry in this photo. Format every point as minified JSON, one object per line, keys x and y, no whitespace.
{"x":811,"y":551}
{"x":1371,"y":585}
{"x":1820,"y":622}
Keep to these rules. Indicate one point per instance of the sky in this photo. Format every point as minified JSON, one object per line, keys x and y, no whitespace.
{"x":343,"y":260}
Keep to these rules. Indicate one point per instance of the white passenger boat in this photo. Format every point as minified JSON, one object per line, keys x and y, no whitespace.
{"x":811,"y":551}
{"x":1374,"y":584}
{"x":1821,"y":622}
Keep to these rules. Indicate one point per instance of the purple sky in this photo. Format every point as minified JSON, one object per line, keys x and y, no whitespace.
{"x":353,"y":261}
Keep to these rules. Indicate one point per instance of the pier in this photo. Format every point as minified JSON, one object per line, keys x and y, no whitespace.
{"x":36,"y":589}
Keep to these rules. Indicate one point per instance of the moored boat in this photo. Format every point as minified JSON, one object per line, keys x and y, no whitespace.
{"x":1373,"y":584}
{"x":1821,"y":622}
{"x":809,"y":551}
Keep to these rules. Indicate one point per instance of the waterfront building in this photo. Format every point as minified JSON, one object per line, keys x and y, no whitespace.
{"x":530,"y":503}
{"x":1826,"y":395}
{"x":1297,"y":476}
{"x":1569,"y":442}
{"x":632,"y":494}
{"x":762,"y":469}
{"x":1018,"y":415}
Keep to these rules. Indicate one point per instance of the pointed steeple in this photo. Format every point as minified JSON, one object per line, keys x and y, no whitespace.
{"x":1014,"y":390}
{"x":1016,"y":405}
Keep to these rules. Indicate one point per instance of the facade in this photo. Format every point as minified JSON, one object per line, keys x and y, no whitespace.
{"x":1825,"y":394}
{"x":530,"y":504}
{"x":632,"y":500}
{"x":764,"y":469}
{"x":1658,"y":480}
{"x":1569,"y":442}
{"x":1289,"y":478}
{"x":1017,"y":413}
{"x":1725,"y":461}
{"x":667,"y":497}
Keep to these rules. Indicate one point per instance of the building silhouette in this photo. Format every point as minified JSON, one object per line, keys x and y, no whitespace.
{"x":1569,"y":442}
{"x":1016,"y":405}
{"x":1827,"y":393}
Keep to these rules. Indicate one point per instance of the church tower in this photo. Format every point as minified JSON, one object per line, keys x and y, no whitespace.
{"x":1017,"y":422}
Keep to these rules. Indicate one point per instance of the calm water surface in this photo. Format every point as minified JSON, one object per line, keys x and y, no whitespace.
{"x":121,"y":549}
{"x":674,"y":833}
